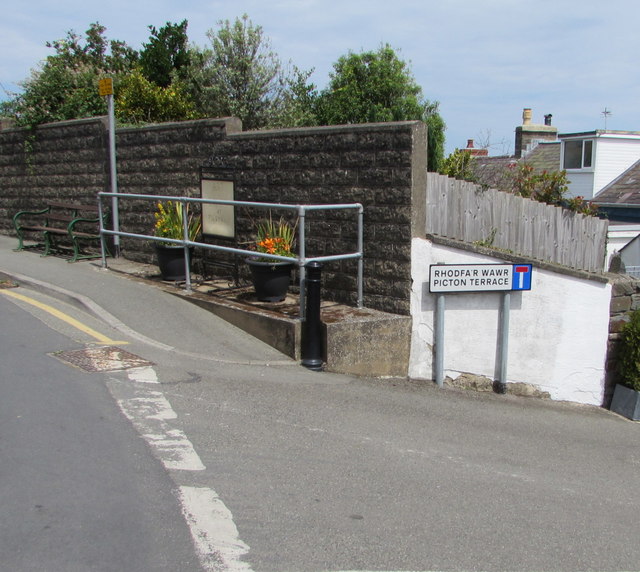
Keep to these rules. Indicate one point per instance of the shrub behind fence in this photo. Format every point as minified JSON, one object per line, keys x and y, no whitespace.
{"x":464,"y":211}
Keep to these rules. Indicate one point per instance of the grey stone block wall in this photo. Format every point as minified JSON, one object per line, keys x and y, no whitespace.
{"x":625,"y":298}
{"x":370,"y":164}
{"x":63,"y":162}
{"x":382,"y":166}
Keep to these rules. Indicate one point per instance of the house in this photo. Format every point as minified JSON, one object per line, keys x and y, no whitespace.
{"x":596,"y":158}
{"x":592,"y":159}
{"x":602,"y":166}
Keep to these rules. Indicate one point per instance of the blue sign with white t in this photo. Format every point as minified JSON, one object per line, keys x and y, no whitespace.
{"x":521,"y":277}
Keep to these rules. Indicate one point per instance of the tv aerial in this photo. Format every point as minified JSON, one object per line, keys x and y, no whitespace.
{"x":606,"y":114}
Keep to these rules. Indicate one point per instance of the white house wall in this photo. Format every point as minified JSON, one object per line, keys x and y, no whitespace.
{"x":613,"y":157}
{"x":558,"y":330}
{"x":581,"y":184}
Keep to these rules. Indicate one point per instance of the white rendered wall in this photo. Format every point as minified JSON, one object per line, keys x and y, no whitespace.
{"x":557,"y":338}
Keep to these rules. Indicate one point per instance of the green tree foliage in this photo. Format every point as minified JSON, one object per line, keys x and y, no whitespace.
{"x":166,"y":54}
{"x":378,"y":86}
{"x":459,"y":165}
{"x":65,"y":87}
{"x":550,"y":187}
{"x":298,"y":105}
{"x":141,"y":101}
{"x":239,"y":75}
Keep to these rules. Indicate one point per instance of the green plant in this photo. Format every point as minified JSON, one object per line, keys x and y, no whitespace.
{"x":488,"y":240}
{"x":170,"y":221}
{"x":629,"y":353}
{"x":275,"y":237}
{"x":459,"y":165}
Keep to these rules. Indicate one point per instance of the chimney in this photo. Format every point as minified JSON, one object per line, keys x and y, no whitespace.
{"x":475,"y":152}
{"x":528,"y":135}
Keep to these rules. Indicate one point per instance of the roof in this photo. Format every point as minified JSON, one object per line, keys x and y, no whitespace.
{"x":602,"y":133}
{"x":493,"y":171}
{"x":624,"y":190}
{"x":544,"y":157}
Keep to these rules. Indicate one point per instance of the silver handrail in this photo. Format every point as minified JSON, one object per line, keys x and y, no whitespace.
{"x":301,"y":259}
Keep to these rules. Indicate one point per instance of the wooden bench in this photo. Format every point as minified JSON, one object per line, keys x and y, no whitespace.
{"x":69,"y":221}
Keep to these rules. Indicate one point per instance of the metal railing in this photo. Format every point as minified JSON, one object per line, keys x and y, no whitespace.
{"x":301,"y":259}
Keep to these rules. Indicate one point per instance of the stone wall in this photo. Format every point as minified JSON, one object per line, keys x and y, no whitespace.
{"x":382,"y":166}
{"x":625,"y":298}
{"x":61,"y":161}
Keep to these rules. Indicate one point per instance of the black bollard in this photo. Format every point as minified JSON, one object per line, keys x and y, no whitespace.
{"x":312,"y":346}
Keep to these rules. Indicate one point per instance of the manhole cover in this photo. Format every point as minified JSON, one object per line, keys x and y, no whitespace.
{"x":102,"y":359}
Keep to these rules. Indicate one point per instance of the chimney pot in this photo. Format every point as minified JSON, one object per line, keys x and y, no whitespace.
{"x":470,"y":144}
{"x":547,"y":119}
{"x":526,"y":116}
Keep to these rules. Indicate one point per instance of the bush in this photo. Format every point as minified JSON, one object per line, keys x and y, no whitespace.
{"x":629,"y":352}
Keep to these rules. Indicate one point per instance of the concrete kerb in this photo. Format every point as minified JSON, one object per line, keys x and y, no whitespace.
{"x":86,"y":304}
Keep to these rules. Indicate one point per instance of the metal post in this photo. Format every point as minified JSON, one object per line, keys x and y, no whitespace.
{"x":103,"y":246}
{"x":114,"y":176}
{"x":439,"y":340}
{"x":501,"y":384}
{"x":311,"y":350}
{"x":301,"y":255}
{"x":361,"y":259}
{"x":185,"y":237}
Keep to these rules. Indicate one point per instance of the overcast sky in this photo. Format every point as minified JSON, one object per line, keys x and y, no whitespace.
{"x":483,"y":60}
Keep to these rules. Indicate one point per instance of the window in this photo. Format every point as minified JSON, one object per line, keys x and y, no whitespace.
{"x":578,"y":154}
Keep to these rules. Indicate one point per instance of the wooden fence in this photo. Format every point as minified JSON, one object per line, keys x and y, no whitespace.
{"x":464,"y":211}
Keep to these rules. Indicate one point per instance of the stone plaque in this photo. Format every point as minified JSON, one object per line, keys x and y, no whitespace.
{"x":218,"y":220}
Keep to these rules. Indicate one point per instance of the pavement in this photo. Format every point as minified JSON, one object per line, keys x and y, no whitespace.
{"x":114,"y":296}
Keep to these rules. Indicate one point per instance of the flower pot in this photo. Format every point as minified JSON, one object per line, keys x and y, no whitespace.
{"x":626,"y":402}
{"x":171,"y":261}
{"x":270,"y":279}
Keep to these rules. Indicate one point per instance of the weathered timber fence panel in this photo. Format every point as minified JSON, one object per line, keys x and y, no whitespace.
{"x":465,"y":211}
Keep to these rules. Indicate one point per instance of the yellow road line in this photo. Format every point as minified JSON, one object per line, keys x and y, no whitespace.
{"x":100,"y":338}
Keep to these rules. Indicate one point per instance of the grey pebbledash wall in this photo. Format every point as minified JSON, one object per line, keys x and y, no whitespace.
{"x":382,"y":166}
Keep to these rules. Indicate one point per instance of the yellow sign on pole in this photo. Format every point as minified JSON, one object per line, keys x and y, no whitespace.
{"x":105,"y":86}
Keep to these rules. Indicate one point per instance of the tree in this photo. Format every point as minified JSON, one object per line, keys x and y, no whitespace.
{"x":459,"y":165}
{"x":298,"y":105}
{"x":166,"y":53}
{"x":142,"y":101}
{"x":378,"y":86}
{"x":65,"y":86}
{"x":240,"y":75}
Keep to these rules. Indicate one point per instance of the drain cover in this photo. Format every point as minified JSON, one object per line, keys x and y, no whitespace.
{"x":102,"y":359}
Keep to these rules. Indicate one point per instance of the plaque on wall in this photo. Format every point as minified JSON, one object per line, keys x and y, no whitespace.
{"x":217,"y":220}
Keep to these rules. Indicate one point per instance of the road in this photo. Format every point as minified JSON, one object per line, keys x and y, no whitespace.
{"x":306,"y":471}
{"x":78,"y":488}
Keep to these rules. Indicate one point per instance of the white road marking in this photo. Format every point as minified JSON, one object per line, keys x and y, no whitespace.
{"x":143,"y":375}
{"x":214,"y":534}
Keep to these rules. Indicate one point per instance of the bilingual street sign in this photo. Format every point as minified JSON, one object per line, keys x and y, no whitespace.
{"x":479,"y":277}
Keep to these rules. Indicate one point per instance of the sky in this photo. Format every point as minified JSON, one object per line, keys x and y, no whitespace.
{"x":484,"y":61}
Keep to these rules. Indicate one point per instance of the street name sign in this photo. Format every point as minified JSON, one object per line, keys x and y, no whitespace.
{"x":479,"y":277}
